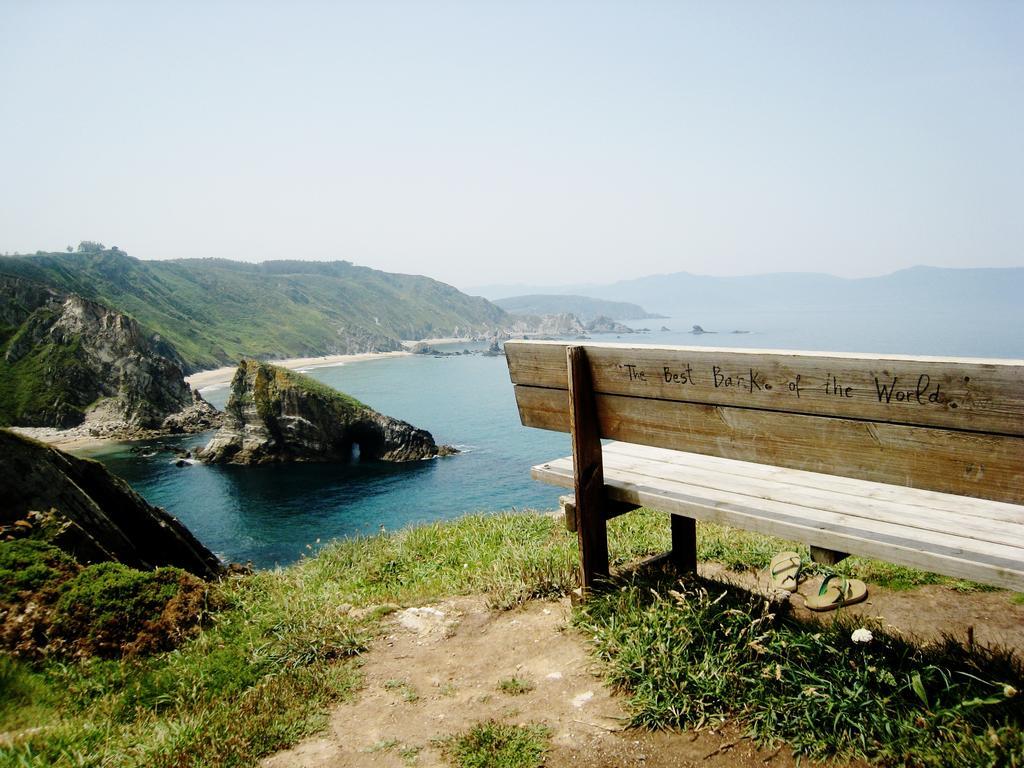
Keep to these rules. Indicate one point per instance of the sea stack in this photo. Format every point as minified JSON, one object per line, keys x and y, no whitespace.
{"x":277,"y":415}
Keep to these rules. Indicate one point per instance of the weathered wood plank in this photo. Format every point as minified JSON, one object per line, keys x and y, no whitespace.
{"x":960,"y":558}
{"x":958,"y":393}
{"x":824,"y":496}
{"x":931,"y":502}
{"x":588,"y":480}
{"x":1011,"y":548}
{"x":612,"y":510}
{"x":948,"y":461}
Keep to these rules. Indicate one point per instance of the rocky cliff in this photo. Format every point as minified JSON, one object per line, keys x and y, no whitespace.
{"x":64,"y":358}
{"x":278,"y":415}
{"x":92,"y":515}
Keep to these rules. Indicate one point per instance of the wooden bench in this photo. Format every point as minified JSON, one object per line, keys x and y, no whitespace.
{"x":917,"y":461}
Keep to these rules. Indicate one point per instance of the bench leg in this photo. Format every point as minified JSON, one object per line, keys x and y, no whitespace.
{"x":826,"y":556}
{"x":593,"y":537}
{"x":588,"y":471}
{"x":684,"y":543}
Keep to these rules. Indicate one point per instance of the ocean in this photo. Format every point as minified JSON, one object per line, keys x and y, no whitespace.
{"x":273,"y":515}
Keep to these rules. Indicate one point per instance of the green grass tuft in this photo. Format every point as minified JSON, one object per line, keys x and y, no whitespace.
{"x":497,"y":745}
{"x":514,"y":686}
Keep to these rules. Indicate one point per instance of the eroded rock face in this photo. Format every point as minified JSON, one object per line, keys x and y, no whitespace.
{"x":89,"y":513}
{"x":69,"y":356}
{"x":278,"y":415}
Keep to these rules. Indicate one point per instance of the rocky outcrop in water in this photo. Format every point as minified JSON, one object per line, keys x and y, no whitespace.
{"x":604,"y":324}
{"x":274,"y":415}
{"x":68,"y":360}
{"x":92,"y":515}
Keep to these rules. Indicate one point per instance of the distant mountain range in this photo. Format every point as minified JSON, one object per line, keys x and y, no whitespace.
{"x":929,"y":287}
{"x":215,"y":312}
{"x":584,"y":307}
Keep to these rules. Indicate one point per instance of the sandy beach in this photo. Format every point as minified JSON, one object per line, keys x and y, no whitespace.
{"x":73,"y":439}
{"x":220,"y":376}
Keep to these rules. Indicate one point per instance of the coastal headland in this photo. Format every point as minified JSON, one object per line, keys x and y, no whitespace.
{"x":81,"y":438}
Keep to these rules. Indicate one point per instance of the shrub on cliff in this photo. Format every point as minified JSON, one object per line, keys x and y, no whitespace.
{"x":52,"y":606}
{"x":112,"y":610}
{"x":27,"y":565}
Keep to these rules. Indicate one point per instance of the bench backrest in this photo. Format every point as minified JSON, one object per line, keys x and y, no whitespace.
{"x":950,"y":425}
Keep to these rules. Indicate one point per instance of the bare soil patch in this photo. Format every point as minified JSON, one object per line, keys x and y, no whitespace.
{"x":437,"y":672}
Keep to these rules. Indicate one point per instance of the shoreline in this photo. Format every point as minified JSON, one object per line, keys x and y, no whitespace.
{"x":216,"y":377}
{"x":81,"y":438}
{"x":72,"y":439}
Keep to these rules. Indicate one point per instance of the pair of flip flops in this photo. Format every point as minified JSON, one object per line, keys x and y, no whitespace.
{"x":835,"y":590}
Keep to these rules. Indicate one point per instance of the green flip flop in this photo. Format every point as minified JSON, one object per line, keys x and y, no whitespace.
{"x":831,"y":596}
{"x":784,"y":570}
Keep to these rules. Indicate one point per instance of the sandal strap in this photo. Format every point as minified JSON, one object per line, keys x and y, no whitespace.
{"x":844,"y":586}
{"x":785,"y":565}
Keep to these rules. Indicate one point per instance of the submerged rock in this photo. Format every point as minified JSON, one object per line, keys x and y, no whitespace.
{"x":274,"y":414}
{"x":80,"y":507}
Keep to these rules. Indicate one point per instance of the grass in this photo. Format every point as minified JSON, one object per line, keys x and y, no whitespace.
{"x":43,"y":386}
{"x":403,"y":688}
{"x":498,"y":745}
{"x":283,"y":648}
{"x":514,"y":686}
{"x":689,"y":654}
{"x":278,"y":653}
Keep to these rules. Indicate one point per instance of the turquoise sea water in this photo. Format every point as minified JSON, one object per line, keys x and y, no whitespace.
{"x":273,"y":514}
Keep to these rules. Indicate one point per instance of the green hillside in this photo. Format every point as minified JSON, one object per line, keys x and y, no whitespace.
{"x":215,"y":311}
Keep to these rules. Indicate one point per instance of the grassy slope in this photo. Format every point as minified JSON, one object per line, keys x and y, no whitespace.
{"x":263,"y":674}
{"x":215,"y":311}
{"x":24,"y":388}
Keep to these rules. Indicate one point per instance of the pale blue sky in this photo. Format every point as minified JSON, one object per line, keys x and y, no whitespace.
{"x":501,"y":142}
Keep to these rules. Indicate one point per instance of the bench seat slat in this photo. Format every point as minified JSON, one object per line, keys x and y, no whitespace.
{"x":814,"y":490}
{"x":933,"y":501}
{"x":959,"y":556}
{"x":950,"y":524}
{"x":625,"y":479}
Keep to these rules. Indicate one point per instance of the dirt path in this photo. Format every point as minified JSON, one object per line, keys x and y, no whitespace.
{"x":437,"y":671}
